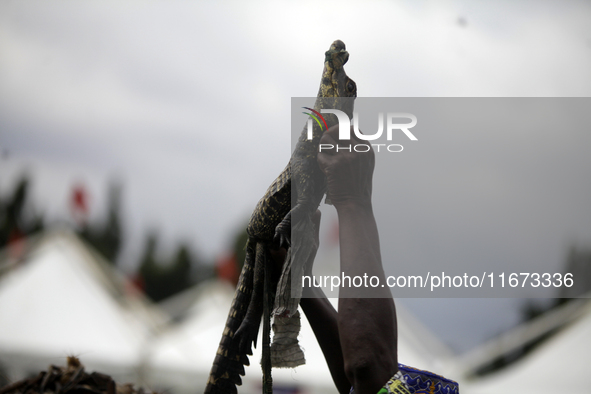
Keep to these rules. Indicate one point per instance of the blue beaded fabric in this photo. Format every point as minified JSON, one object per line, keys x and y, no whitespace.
{"x":409,"y":380}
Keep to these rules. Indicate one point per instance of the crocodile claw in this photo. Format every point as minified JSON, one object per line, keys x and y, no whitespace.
{"x":283,"y":240}
{"x":247,"y":335}
{"x":283,"y":232}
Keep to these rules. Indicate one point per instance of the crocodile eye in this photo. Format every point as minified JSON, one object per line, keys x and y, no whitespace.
{"x":350,"y":86}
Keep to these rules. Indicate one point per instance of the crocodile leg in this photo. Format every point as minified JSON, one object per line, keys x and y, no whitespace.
{"x":247,"y":333}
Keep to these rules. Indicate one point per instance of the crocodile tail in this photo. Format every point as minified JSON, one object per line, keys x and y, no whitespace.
{"x":267,"y":305}
{"x":229,"y":361}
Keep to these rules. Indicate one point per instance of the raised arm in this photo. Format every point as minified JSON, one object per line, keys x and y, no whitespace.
{"x":366,"y":326}
{"x":323,"y":320}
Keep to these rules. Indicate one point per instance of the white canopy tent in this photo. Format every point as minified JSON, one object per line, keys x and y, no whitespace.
{"x":559,"y":365}
{"x":62,"y":299}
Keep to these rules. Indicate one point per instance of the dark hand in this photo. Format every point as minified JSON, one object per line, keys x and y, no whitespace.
{"x":348,"y":174}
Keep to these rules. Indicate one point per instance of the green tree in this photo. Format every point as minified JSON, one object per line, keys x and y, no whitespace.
{"x":106,"y":235}
{"x":179,"y":273}
{"x":148,"y":267}
{"x":17,"y":217}
{"x":240,"y":248}
{"x":162,"y":280}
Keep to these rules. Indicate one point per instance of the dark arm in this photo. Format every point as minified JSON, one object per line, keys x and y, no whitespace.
{"x":366,"y":326}
{"x":323,"y":320}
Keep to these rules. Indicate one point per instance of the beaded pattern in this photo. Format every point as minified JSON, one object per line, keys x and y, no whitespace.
{"x":409,"y":380}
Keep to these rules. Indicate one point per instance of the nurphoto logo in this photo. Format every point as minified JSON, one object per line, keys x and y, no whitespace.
{"x":345,"y":129}
{"x":315,"y":115}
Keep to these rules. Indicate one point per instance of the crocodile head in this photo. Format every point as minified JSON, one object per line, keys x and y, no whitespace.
{"x":337,"y":90}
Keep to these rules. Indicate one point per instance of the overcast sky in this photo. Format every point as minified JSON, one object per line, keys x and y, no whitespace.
{"x":188,"y":104}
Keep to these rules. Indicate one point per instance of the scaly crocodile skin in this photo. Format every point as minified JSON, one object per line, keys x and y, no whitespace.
{"x":271,"y":223}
